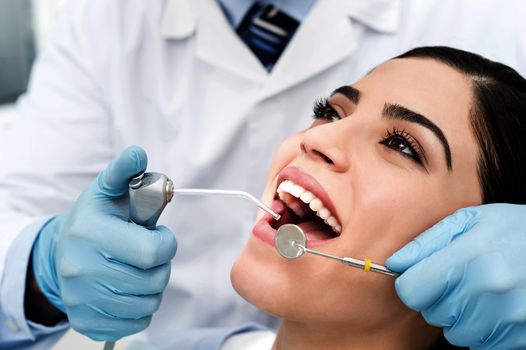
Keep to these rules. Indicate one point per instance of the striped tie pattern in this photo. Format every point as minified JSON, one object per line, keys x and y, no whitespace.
{"x":266,"y":31}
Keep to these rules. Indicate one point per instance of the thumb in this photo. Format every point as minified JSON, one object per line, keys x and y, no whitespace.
{"x":434,"y":239}
{"x":113,"y":180}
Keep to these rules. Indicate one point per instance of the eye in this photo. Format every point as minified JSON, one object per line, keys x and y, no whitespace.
{"x":322,"y":109}
{"x":403,"y":143}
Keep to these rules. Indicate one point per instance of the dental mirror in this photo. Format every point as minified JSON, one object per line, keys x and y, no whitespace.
{"x":289,"y":241}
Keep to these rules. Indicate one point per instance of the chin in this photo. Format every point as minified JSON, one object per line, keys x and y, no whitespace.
{"x":252,"y":281}
{"x":265,"y":280}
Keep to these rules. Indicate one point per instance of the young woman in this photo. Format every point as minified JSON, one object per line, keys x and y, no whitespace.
{"x":422,"y":135}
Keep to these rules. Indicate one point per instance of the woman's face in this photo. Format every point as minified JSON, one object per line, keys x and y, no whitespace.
{"x":389,"y":157}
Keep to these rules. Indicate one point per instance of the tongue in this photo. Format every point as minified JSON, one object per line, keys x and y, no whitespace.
{"x":316,"y":230}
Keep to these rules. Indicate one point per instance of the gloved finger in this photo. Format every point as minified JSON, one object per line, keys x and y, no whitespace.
{"x":428,"y":281}
{"x":137,"y":246}
{"x":478,"y":327}
{"x":473,"y":324}
{"x":433,"y":239}
{"x":113,"y":180}
{"x":440,"y":288}
{"x":125,"y":279}
{"x":470,"y":309}
{"x":504,"y":336}
{"x":100,"y":326}
{"x":125,"y":306}
{"x":108,"y":282}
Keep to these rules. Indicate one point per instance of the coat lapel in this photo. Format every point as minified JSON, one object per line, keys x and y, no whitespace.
{"x":216,"y":41}
{"x":327,"y":36}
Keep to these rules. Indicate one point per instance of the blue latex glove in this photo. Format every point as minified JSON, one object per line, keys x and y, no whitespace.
{"x":105,"y":273}
{"x":467,"y":274}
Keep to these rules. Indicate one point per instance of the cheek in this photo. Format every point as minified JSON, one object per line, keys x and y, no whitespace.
{"x":389,"y":211}
{"x":287,"y":151}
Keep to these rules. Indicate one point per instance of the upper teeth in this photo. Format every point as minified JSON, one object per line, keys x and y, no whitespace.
{"x":309,"y":198}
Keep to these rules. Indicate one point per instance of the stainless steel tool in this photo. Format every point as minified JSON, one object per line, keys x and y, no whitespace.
{"x":291,"y":243}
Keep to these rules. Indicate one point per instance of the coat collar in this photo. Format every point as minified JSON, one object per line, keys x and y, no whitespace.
{"x":380,"y":15}
{"x":179,"y":21}
{"x":316,"y":46}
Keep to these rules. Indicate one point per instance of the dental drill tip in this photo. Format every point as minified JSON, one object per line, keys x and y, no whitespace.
{"x":232,"y":193}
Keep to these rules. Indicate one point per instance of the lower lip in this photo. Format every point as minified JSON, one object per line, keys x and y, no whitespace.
{"x":266,"y":233}
{"x":262,"y":228}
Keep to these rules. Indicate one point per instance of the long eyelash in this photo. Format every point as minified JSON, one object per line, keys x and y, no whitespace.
{"x":322,"y":109}
{"x":413,"y":144}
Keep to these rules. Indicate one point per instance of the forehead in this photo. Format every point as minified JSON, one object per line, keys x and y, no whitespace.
{"x":426,"y":86}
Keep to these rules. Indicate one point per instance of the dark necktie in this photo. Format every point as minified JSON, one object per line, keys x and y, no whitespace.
{"x":266,"y":31}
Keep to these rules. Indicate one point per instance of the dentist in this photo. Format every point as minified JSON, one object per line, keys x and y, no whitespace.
{"x":209,"y":89}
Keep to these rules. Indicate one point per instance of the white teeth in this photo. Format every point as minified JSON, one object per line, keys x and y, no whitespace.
{"x":285,"y":186}
{"x":309,"y":198}
{"x":324,"y":213}
{"x":332,"y":221}
{"x":316,"y":204}
{"x":297,"y":191}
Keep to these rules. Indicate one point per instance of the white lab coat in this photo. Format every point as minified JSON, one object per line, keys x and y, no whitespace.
{"x":172,"y":77}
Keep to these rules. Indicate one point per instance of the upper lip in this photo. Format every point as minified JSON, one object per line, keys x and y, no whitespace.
{"x":308,"y":182}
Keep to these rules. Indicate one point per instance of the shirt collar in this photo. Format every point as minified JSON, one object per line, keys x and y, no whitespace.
{"x":236,"y":9}
{"x":179,"y":22}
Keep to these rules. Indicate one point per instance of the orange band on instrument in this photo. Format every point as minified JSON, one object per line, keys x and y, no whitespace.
{"x":367,"y":266}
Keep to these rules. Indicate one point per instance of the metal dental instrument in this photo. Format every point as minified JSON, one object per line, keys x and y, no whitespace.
{"x":109,"y":345}
{"x":150,"y":192}
{"x":231,"y":193}
{"x":291,"y":244}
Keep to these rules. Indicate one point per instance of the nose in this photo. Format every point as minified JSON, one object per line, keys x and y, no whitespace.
{"x":326,"y":143}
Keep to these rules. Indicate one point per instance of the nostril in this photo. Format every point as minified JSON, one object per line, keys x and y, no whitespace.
{"x":316,"y":154}
{"x":322,"y":156}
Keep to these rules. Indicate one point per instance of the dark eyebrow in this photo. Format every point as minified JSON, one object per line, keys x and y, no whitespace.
{"x":348,"y":91}
{"x":402,"y":113}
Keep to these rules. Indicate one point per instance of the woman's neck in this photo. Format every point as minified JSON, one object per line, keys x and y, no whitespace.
{"x":408,"y":334}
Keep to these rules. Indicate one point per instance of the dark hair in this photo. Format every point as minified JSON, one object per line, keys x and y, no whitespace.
{"x":498,"y":119}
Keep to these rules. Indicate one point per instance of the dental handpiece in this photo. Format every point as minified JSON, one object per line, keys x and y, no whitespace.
{"x":291,"y":243}
{"x":150,"y":192}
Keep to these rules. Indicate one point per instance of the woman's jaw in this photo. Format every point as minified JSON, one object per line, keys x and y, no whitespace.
{"x":300,"y":199}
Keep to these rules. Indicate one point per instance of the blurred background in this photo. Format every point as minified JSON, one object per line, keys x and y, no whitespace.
{"x":24,"y":25}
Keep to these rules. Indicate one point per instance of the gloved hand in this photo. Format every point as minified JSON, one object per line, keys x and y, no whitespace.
{"x":467,"y":274}
{"x":105,"y":273}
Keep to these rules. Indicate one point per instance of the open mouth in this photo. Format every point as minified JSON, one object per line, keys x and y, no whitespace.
{"x":306,"y":209}
{"x":302,"y":201}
